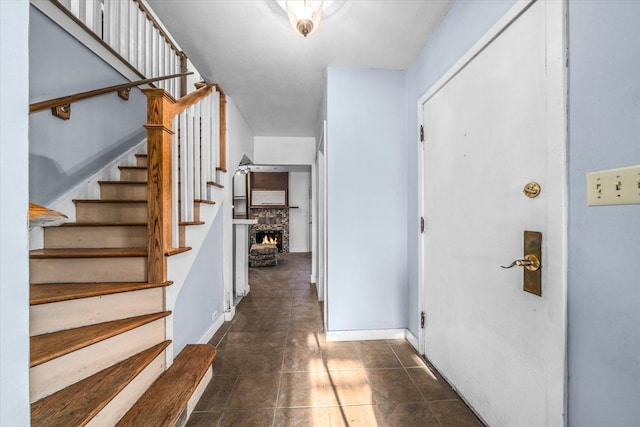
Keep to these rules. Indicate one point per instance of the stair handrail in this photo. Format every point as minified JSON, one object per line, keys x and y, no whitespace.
{"x":162,"y":112}
{"x":61,"y":107}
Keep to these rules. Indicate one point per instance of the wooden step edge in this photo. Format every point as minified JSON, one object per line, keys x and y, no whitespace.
{"x":132,"y":167}
{"x":45,"y":293}
{"x":191,"y":223}
{"x":88,"y":253}
{"x":50,"y":346}
{"x":122,"y":183}
{"x":176,"y":251}
{"x":78,"y":403}
{"x":39,"y":216}
{"x":141,"y":155}
{"x":218,"y":168}
{"x":107,"y":201}
{"x":167,"y":398}
{"x":207,"y":202}
{"x":215,"y":184}
{"x":104,"y":224}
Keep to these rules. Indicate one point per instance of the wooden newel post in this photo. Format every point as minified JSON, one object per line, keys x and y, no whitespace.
{"x":159,"y":136}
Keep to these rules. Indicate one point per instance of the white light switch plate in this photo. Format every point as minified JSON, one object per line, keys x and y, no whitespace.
{"x":614,"y":186}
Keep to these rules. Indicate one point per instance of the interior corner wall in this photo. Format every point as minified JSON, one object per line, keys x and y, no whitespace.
{"x":239,"y":136}
{"x":14,"y":190}
{"x":604,"y":249}
{"x":367,"y":215}
{"x":201,"y":299}
{"x":62,"y":153}
{"x":463,"y":25}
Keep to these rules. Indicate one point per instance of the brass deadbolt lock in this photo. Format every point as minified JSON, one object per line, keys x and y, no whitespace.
{"x":531,"y":190}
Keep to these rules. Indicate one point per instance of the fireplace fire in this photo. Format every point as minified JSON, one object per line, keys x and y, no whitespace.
{"x":270,"y":238}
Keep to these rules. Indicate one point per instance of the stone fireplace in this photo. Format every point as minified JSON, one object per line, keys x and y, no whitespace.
{"x":270,"y":222}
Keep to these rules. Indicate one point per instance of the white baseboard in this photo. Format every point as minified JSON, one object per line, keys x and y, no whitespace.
{"x":228,"y":315}
{"x":212,"y":330}
{"x":312,"y":279}
{"x":366,"y":335}
{"x":413,"y":340}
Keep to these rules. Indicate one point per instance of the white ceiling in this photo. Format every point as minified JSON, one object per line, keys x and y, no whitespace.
{"x":277,"y":77}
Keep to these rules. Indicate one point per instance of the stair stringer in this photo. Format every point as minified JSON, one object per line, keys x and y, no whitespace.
{"x":179,"y":265}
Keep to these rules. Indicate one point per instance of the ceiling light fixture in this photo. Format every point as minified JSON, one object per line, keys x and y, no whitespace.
{"x":304,"y":15}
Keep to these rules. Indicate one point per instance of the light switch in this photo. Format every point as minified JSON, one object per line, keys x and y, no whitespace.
{"x":614,"y":186}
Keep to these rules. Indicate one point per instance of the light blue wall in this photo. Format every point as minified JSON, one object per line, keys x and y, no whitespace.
{"x":202,"y":293}
{"x":14,"y":185}
{"x":63,"y":153}
{"x":366,"y":199}
{"x":604,"y":242}
{"x":463,"y":25}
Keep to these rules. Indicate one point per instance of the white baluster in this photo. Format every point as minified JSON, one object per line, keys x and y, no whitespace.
{"x":188,"y":200}
{"x":175,"y":190}
{"x":197,"y":175}
{"x":133,"y":33}
{"x":148,"y":48}
{"x":183,"y":165}
{"x":155,"y":53}
{"x":205,"y":157}
{"x":216,"y":129}
{"x":75,"y":8}
{"x":123,"y":31}
{"x":142,"y":40}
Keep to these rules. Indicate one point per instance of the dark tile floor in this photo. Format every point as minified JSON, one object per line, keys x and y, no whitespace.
{"x":275,"y":368}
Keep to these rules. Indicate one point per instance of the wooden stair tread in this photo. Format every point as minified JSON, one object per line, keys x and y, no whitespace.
{"x":132,"y":167}
{"x":165,"y":400}
{"x":87,"y":253}
{"x":215,"y":184}
{"x":123,"y":182}
{"x":176,"y":251}
{"x":77,"y":404}
{"x":107,"y":201}
{"x":49,"y":346}
{"x":141,"y":155}
{"x":104,"y":224}
{"x":39,"y":216}
{"x":45,"y":293}
{"x":191,"y":223}
{"x":208,"y":202}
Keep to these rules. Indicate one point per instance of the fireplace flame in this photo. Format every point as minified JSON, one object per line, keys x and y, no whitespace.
{"x":268,"y":240}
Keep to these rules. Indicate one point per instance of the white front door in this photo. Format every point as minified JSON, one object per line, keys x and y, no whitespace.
{"x":492,"y":126}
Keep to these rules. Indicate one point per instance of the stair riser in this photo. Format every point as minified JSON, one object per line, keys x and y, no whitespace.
{"x":59,"y":373}
{"x":119,"y":406}
{"x":57,"y":316}
{"x":95,"y":237}
{"x":111,"y":212}
{"x":123,"y":191}
{"x":141,"y":161}
{"x":197,"y":394}
{"x":88,"y":270}
{"x":139,"y":175}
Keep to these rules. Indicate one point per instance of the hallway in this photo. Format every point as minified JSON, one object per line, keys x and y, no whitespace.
{"x":274,"y":367}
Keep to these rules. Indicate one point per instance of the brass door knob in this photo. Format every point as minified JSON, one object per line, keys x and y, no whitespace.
{"x":530,"y":262}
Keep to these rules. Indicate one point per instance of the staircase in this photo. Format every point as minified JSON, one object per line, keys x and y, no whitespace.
{"x":98,"y":327}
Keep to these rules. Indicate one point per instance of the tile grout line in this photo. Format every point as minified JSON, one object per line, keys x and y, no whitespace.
{"x":416,"y":386}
